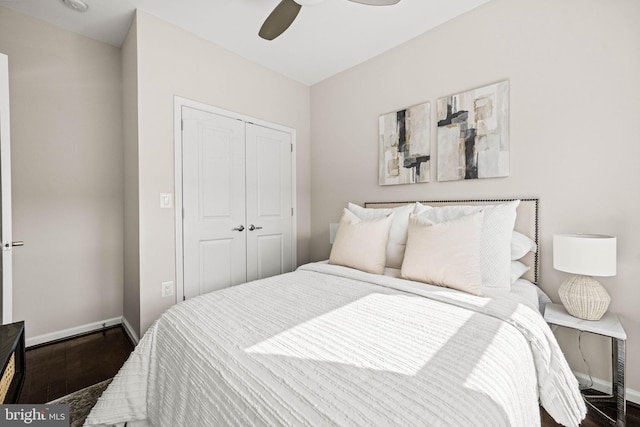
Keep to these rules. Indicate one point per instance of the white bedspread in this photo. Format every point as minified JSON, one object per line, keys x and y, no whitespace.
{"x":331,"y":346}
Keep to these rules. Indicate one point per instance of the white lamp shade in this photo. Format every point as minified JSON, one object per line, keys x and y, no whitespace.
{"x":585,"y":254}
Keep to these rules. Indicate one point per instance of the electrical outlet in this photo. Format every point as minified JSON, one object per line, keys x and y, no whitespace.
{"x":167,"y":289}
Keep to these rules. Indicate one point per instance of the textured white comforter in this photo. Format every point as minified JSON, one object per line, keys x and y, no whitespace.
{"x":331,"y":346}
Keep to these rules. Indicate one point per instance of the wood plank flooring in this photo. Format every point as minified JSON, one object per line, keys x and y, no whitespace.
{"x":596,"y":420}
{"x":60,"y":368}
{"x":57,"y":369}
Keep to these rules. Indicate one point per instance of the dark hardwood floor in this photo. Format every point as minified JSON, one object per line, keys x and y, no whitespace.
{"x":60,"y":368}
{"x":57,"y":369}
{"x":596,"y":420}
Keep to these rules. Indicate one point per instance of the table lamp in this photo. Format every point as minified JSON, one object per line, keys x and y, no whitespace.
{"x":585,"y":255}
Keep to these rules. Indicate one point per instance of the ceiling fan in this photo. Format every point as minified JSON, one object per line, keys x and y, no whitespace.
{"x":286,"y":11}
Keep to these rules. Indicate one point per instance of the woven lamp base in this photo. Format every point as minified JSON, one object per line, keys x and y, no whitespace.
{"x":584,"y":297}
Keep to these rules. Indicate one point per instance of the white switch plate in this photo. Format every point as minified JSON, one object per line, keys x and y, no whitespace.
{"x":167,"y":289}
{"x":166,"y":200}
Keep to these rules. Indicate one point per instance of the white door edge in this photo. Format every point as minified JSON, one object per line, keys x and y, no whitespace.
{"x":180,"y":102}
{"x":5,"y":168}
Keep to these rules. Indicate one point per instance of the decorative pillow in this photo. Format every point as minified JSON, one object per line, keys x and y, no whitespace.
{"x":398,"y":234}
{"x":517,"y":270}
{"x":361,"y":244}
{"x":445,"y":254}
{"x":521,"y":245}
{"x":495,"y":243}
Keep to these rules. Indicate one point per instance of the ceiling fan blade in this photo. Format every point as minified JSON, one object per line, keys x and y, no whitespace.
{"x":279,"y":20}
{"x":376,"y":2}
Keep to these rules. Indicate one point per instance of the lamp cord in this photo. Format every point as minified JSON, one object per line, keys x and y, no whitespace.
{"x":584,"y":359}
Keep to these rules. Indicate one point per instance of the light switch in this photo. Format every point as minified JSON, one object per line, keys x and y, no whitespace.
{"x":166,"y":200}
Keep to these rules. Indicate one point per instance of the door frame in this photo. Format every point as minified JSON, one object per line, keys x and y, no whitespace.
{"x":180,"y":102}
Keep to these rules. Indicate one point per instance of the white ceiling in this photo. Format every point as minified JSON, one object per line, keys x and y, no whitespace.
{"x":324,"y":40}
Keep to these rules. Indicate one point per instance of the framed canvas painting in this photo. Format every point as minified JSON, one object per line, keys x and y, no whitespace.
{"x":404,"y":140}
{"x":473,"y":134}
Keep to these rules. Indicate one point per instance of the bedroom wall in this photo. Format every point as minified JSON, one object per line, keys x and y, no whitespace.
{"x":131,"y":305}
{"x":573,"y":68}
{"x":66,"y":128}
{"x":174,"y":62}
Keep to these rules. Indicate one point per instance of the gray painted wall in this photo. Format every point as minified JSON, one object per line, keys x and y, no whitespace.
{"x":573,"y":68}
{"x":66,"y":131}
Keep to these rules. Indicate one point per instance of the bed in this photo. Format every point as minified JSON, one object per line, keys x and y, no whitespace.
{"x":333,"y":345}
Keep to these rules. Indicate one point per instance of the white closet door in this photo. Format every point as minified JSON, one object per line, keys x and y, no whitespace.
{"x":269,"y":202}
{"x":213,"y":198}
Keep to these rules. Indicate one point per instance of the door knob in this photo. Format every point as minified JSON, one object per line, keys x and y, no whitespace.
{"x":239,"y":228}
{"x":253,"y":227}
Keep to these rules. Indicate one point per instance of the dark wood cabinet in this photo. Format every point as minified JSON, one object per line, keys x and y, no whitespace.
{"x":12,"y":360}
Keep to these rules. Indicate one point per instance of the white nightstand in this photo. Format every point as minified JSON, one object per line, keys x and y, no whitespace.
{"x":608,"y":326}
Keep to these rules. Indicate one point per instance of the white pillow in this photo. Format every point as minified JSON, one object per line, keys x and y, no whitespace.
{"x":517,"y":270}
{"x":495,"y":243}
{"x":445,"y":254}
{"x":398,"y":234}
{"x":361,"y":244}
{"x":521,"y":245}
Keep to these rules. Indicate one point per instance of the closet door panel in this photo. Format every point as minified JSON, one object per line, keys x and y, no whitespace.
{"x":270,"y":253}
{"x":269,"y":202}
{"x":213,"y":170}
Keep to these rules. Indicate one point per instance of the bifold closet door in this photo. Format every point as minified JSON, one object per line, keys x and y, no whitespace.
{"x":213,"y":198}
{"x":237,"y":197}
{"x":269,"y":202}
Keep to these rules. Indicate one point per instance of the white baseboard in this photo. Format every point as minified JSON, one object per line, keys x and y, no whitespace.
{"x":605,"y":387}
{"x":129,"y":330}
{"x":66,"y":333}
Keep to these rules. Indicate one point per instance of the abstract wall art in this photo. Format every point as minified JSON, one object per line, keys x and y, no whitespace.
{"x":473,"y":134}
{"x":405,"y":146}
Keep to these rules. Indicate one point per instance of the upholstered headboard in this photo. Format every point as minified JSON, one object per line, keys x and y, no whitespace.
{"x":526,"y":223}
